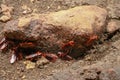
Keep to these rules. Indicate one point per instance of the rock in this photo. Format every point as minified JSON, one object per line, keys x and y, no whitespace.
{"x":6,"y":11}
{"x":113,"y":26}
{"x":29,"y":64}
{"x":88,"y":58}
{"x":5,"y":18}
{"x":83,"y":25}
{"x":42,"y":61}
{"x":23,"y":77}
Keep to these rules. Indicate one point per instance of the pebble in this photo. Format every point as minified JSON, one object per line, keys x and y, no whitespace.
{"x":112,"y":26}
{"x":6,"y":11}
{"x":29,"y":64}
{"x":41,"y":62}
{"x":26,"y":9}
{"x":23,"y":77}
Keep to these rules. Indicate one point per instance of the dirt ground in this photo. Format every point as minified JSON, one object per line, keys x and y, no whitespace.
{"x":105,"y":55}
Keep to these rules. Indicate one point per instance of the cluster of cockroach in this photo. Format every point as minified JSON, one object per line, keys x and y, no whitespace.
{"x":27,"y":50}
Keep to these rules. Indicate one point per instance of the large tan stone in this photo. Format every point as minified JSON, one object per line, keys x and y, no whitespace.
{"x":83,"y":25}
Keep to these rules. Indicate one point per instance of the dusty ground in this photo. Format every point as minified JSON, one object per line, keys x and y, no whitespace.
{"x":104,"y":56}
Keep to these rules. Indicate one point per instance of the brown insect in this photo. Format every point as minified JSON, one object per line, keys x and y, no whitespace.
{"x":92,"y":39}
{"x":17,"y":53}
{"x":66,"y":48}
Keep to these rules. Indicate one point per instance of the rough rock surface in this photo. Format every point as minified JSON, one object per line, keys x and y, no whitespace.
{"x":51,"y":31}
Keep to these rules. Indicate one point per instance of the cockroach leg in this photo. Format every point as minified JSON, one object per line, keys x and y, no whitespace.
{"x":3,"y":44}
{"x":20,"y":56}
{"x":61,"y":54}
{"x":29,"y":57}
{"x":2,"y":41}
{"x":91,"y":39}
{"x":67,"y":57}
{"x":13,"y":57}
{"x":3,"y":47}
{"x":66,"y":49}
{"x":27,"y":45}
{"x":64,"y":56}
{"x":69,"y":44}
{"x":50,"y":56}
